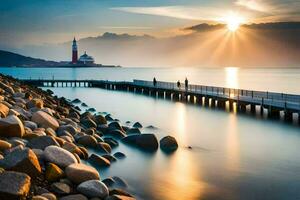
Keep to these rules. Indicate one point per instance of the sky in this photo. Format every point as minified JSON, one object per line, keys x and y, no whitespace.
{"x":31,"y":22}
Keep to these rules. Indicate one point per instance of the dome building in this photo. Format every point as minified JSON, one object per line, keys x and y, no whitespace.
{"x":86,"y":59}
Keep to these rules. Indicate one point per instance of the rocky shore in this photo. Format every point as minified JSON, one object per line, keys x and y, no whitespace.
{"x":45,"y":142}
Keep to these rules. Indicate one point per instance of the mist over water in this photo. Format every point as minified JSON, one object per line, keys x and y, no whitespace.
{"x":233,"y":156}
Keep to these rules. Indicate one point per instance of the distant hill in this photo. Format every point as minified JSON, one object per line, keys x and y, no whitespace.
{"x":9,"y":59}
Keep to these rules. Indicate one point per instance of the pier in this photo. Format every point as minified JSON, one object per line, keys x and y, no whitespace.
{"x":273,"y":105}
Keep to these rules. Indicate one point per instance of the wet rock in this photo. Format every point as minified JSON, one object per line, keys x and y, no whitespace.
{"x":4,"y":110}
{"x":137,"y":125}
{"x":30,"y":125}
{"x":112,"y":142}
{"x":119,"y":192}
{"x":72,"y":130}
{"x":116,"y":134}
{"x":4,"y":145}
{"x":99,"y":119}
{"x":93,"y":188}
{"x":76,"y":101}
{"x":119,"y":197}
{"x":38,"y":103}
{"x":79,"y":173}
{"x":110,"y":158}
{"x":98,"y":161}
{"x":60,"y":188}
{"x":91,"y":110}
{"x":38,"y":197}
{"x":109,"y":118}
{"x":49,"y":196}
{"x":11,"y":126}
{"x":88,"y":123}
{"x":22,"y":161}
{"x":74,"y":197}
{"x":59,"y":156}
{"x":44,"y":120}
{"x":74,"y":149}
{"x":42,"y":142}
{"x":119,"y":155}
{"x":119,"y":182}
{"x":109,"y":182}
{"x":87,"y":141}
{"x":104,"y":147}
{"x":133,"y":131}
{"x":53,"y":173}
{"x":168,"y":144}
{"x":146,"y":142}
{"x":115,"y":125}
{"x":7,"y":88}
{"x":84,"y":105}
{"x":74,"y":115}
{"x":19,"y":185}
{"x":103,"y":128}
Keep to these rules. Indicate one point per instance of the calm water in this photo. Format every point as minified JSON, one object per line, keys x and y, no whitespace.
{"x":233,"y":156}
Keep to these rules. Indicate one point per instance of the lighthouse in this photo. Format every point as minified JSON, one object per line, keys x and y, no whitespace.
{"x":74,"y":52}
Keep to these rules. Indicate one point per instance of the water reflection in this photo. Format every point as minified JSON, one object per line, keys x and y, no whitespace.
{"x":233,"y":144}
{"x":180,"y":122}
{"x":231,"y":77}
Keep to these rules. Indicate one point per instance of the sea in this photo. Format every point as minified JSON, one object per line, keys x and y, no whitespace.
{"x":233,"y":156}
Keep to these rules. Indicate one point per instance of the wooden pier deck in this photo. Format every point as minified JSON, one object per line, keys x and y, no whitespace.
{"x":276,"y":105}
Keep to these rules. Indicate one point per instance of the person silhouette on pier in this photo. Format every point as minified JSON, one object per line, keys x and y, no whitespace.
{"x":154,"y":82}
{"x":186,"y":82}
{"x":178,"y":84}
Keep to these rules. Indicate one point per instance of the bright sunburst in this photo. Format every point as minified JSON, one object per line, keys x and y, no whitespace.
{"x":233,"y":21}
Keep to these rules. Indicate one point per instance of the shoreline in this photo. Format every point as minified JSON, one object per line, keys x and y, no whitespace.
{"x":43,"y":140}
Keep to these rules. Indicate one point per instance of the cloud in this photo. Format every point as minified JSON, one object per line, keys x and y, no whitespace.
{"x":256,"y":5}
{"x":179,"y":12}
{"x":127,"y":27}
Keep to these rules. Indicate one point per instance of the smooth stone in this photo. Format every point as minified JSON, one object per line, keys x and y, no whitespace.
{"x":59,"y":156}
{"x":84,"y":105}
{"x":74,"y":197}
{"x":53,"y":173}
{"x":60,"y":188}
{"x":104,"y":147}
{"x":14,"y":185}
{"x":116,"y":134}
{"x":4,"y":110}
{"x":79,"y":173}
{"x":68,"y":128}
{"x":146,"y":142}
{"x":38,"y":197}
{"x":168,"y":144}
{"x":11,"y":126}
{"x":30,"y":125}
{"x":120,"y":182}
{"x":133,"y":131}
{"x":43,"y":119}
{"x":109,"y":157}
{"x":112,"y":142}
{"x":76,"y":101}
{"x":109,"y":118}
{"x":91,"y":110}
{"x":137,"y":125}
{"x":98,"y":161}
{"x":99,"y":119}
{"x":119,"y":197}
{"x":87,"y":141}
{"x":119,"y":192}
{"x":71,"y":147}
{"x":88,"y":123}
{"x":4,"y":145}
{"x":49,"y":196}
{"x":22,"y":161}
{"x":109,"y":182}
{"x":38,"y":103}
{"x":93,"y":188}
{"x":42,"y":142}
{"x":119,"y":155}
{"x":115,"y":125}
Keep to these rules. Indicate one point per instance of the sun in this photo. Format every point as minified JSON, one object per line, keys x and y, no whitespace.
{"x":233,"y":21}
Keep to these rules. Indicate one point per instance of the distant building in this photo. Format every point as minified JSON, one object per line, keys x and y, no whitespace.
{"x":84,"y":59}
{"x":74,"y":52}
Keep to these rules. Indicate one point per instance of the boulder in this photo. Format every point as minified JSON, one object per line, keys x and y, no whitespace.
{"x":4,"y":110}
{"x":44,"y":120}
{"x":74,"y":197}
{"x":109,"y":182}
{"x":119,"y":192}
{"x":112,"y":142}
{"x":49,"y":196}
{"x":99,"y":119}
{"x":60,"y":188}
{"x":68,"y":128}
{"x":71,"y":147}
{"x":119,"y":197}
{"x":115,"y":125}
{"x":42,"y":142}
{"x":119,"y":182}
{"x":98,"y":161}
{"x":168,"y":144}
{"x":11,"y":126}
{"x":4,"y":145}
{"x":7,"y":88}
{"x":22,"y":161}
{"x":76,"y":101}
{"x":38,"y":103}
{"x":137,"y":125}
{"x":133,"y":131}
{"x":110,"y":158}
{"x":93,"y":188}
{"x":88,"y":123}
{"x":14,"y":185}
{"x":116,"y":134}
{"x":53,"y":173}
{"x":104,"y":147}
{"x":119,"y":155}
{"x":146,"y":142}
{"x":79,"y":173}
{"x":59,"y":156}
{"x":38,"y":197}
{"x":87,"y":141}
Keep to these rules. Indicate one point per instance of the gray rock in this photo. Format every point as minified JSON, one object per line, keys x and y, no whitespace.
{"x":11,"y":126}
{"x":137,"y":125}
{"x":168,"y":144}
{"x":14,"y":185}
{"x":49,"y":196}
{"x":120,"y":182}
{"x":87,"y":141}
{"x":98,"y":161}
{"x":93,"y":188}
{"x":42,"y":142}
{"x":22,"y":161}
{"x":68,"y":128}
{"x":79,"y":173}
{"x":119,"y":155}
{"x":60,"y":188}
{"x":133,"y":131}
{"x":146,"y":142}
{"x":115,"y":125}
{"x":74,"y":197}
{"x":44,"y":120}
{"x":30,"y":125}
{"x":88,"y":123}
{"x":59,"y":156}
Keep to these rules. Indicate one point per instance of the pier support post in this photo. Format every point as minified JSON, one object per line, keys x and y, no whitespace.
{"x":273,"y":113}
{"x":221,"y":104}
{"x":253,"y":108}
{"x":288,"y":116}
{"x":206,"y":101}
{"x":231,"y":103}
{"x":212,"y":103}
{"x":199,"y":100}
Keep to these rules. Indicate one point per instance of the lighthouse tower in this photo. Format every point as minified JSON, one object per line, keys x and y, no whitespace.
{"x":74,"y":52}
